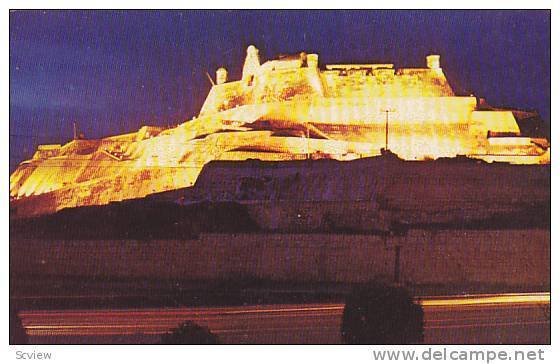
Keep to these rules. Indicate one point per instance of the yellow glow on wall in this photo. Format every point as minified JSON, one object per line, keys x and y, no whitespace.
{"x":283,"y":110}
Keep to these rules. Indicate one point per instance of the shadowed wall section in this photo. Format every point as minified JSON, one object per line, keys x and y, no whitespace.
{"x":445,"y":257}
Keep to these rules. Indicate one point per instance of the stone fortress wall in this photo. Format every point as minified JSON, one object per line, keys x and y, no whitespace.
{"x":284,"y":109}
{"x":441,"y":223}
{"x":369,"y":194}
{"x":446,"y":258}
{"x":284,"y":80}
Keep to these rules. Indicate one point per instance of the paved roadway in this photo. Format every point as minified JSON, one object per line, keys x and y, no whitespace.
{"x":481,"y":319}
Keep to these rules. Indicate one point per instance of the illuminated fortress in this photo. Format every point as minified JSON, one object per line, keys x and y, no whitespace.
{"x":283,"y":109}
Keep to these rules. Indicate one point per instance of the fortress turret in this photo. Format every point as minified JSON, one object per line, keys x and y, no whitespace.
{"x":312,"y":60}
{"x":252,"y":62}
{"x":432,"y":62}
{"x":221,"y":75}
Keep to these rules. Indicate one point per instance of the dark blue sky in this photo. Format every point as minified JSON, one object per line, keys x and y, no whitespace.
{"x":113,"y":71}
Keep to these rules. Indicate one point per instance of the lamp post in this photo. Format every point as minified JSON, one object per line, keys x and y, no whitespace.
{"x":307,"y":127}
{"x":387,"y":111}
{"x":307,"y":136}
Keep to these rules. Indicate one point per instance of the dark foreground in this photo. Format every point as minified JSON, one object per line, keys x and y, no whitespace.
{"x":481,"y":319}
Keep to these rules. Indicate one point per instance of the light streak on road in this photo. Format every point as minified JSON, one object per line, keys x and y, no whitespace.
{"x":473,"y":316}
{"x":507,"y":298}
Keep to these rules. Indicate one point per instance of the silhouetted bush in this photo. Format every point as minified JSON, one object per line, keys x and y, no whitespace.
{"x":377,"y":314}
{"x":18,"y":336}
{"x":189,"y":333}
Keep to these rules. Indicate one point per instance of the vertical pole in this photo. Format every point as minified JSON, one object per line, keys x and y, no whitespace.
{"x":387,"y":130}
{"x":75,"y":132}
{"x":307,"y":127}
{"x":397,"y":272}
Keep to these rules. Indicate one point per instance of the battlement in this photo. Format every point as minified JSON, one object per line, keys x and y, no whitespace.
{"x":299,"y":77}
{"x":358,"y":67}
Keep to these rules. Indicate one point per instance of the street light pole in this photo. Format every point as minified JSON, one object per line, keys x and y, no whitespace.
{"x":387,"y":111}
{"x":307,"y":130}
{"x":387,"y":130}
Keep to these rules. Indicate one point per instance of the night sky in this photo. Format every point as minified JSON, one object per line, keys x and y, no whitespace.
{"x":114,"y":71}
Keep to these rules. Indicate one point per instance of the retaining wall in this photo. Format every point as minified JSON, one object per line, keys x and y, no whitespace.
{"x":443,"y":257}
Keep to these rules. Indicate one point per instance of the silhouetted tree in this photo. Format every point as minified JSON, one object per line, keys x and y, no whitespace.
{"x":378,"y":314}
{"x":18,"y":336}
{"x":189,"y":333}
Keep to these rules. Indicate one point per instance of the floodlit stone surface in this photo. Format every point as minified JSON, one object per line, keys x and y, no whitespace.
{"x":284,"y":109}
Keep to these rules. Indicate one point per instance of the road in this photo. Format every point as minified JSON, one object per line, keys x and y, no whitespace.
{"x":481,"y":319}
